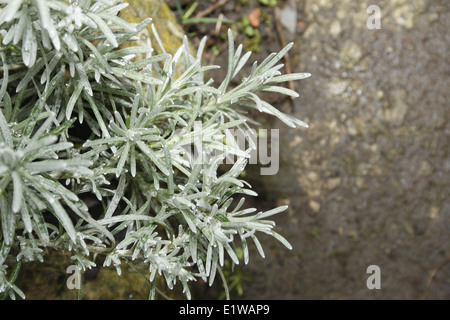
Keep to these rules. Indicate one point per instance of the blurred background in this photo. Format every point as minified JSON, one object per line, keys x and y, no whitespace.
{"x":368,"y":182}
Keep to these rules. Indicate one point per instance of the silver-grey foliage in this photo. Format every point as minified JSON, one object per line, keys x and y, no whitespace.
{"x":63,"y":67}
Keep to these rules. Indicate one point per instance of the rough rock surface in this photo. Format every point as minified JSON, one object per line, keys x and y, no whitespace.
{"x":368,"y":182}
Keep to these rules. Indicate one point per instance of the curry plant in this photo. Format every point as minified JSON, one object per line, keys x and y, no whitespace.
{"x":84,"y":115}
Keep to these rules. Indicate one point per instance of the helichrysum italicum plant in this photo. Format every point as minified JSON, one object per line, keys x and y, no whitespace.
{"x":63,"y":68}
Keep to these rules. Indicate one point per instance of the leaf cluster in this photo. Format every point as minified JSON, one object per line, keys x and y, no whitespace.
{"x":82,"y":118}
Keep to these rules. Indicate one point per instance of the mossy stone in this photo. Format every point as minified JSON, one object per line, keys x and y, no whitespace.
{"x":164,"y":20}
